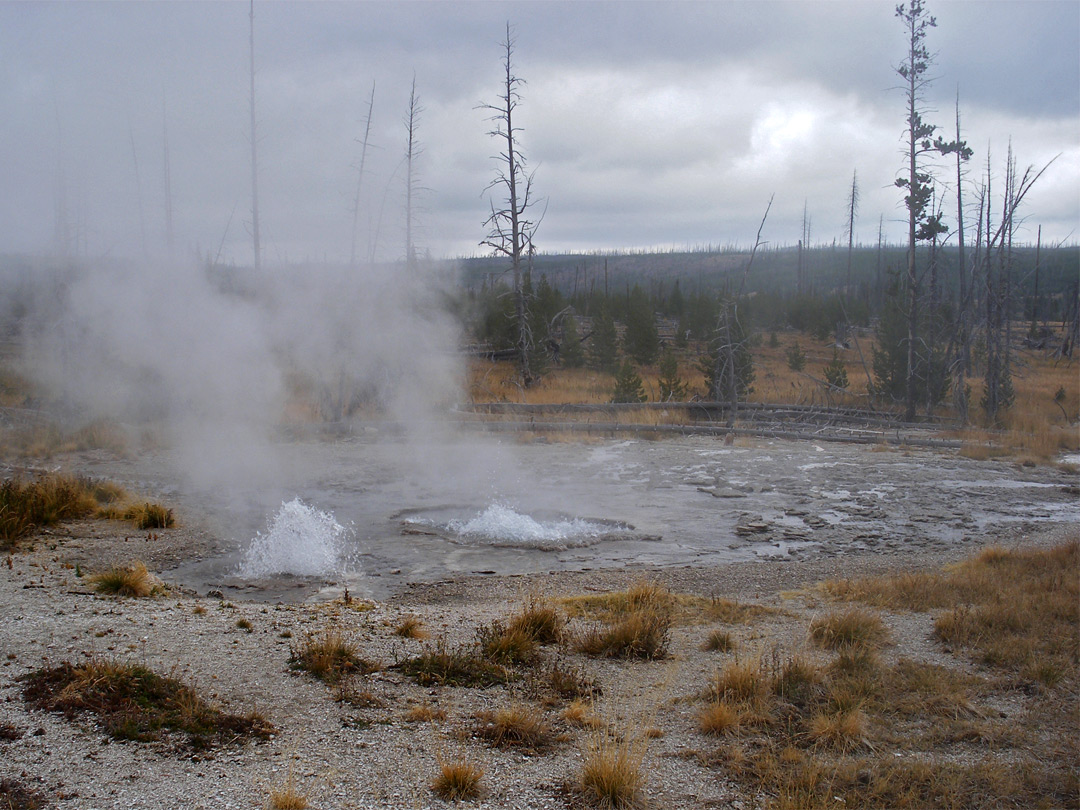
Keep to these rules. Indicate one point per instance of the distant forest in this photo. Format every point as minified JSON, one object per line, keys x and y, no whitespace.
{"x":785,"y":287}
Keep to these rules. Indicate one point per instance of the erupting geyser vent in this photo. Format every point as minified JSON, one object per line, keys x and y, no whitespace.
{"x":501,"y":525}
{"x":299,"y":540}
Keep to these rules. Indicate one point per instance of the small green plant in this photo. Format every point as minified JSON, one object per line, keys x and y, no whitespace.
{"x":672,"y":388}
{"x":835,"y":373}
{"x":245,"y":625}
{"x":796,"y":357}
{"x":774,"y":341}
{"x":628,"y":385}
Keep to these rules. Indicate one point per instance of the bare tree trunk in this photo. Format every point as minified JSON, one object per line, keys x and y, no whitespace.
{"x":853,"y":208}
{"x":360,"y":175}
{"x":412,"y":151}
{"x":511,"y":229}
{"x":962,"y":314}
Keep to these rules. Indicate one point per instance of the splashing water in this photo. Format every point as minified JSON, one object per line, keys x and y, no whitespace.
{"x":299,"y":540}
{"x":500,"y":525}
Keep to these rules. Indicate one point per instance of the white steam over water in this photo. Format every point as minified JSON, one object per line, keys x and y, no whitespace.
{"x":502,"y":526}
{"x":299,"y":540}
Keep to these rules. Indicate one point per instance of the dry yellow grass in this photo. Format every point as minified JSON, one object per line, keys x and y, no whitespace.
{"x":1037,"y":427}
{"x":425,"y":713}
{"x":580,"y":713}
{"x":288,"y":797}
{"x":132,"y":580}
{"x":516,"y":726}
{"x":411,"y":627}
{"x":719,"y":717}
{"x":458,"y":779}
{"x":612,"y":774}
{"x":854,"y":627}
{"x":683,"y":608}
{"x":1017,"y":609}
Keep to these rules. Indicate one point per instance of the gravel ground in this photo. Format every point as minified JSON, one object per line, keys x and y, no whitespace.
{"x":343,"y":756}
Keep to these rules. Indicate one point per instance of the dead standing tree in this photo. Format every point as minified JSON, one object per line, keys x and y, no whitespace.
{"x":510,"y":230}
{"x":413,"y":149}
{"x":732,"y":369}
{"x":924,"y":224}
{"x":997,"y":258}
{"x":360,"y":174}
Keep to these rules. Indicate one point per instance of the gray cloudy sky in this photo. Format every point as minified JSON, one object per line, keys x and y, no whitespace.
{"x":648,"y":123}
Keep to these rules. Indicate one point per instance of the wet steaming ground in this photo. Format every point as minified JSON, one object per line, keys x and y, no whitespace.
{"x":409,"y":513}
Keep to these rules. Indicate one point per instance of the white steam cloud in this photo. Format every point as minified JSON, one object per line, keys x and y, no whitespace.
{"x":220,"y":360}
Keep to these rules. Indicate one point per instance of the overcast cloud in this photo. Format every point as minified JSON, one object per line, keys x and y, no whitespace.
{"x":648,"y":124}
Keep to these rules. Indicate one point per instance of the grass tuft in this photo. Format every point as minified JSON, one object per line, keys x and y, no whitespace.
{"x":149,"y":516}
{"x":505,"y":644}
{"x":14,"y":795}
{"x":719,"y":717}
{"x":572,"y":684}
{"x":465,"y":666}
{"x":1016,"y":610}
{"x":132,"y":581}
{"x":539,"y":620}
{"x":517,"y":726}
{"x":28,"y":505}
{"x":718,"y":641}
{"x":843,"y":731}
{"x":580,"y":713}
{"x":329,"y":657}
{"x":458,"y":780}
{"x":411,"y":627}
{"x":425,"y":713}
{"x":854,"y":627}
{"x":642,"y":633}
{"x":288,"y":797}
{"x":740,"y":681}
{"x":612,"y":774}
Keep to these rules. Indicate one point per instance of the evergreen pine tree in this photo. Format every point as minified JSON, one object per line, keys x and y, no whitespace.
{"x":628,"y":385}
{"x":835,"y":373}
{"x":604,"y":346}
{"x":672,"y":388}
{"x":642,"y":341}
{"x":572,"y":352}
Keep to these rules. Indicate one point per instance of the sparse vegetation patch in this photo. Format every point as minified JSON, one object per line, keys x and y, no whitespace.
{"x":329,"y":657}
{"x":134,"y":703}
{"x":464,"y":666}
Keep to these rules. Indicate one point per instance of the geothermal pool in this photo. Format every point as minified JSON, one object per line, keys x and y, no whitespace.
{"x":373,"y":512}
